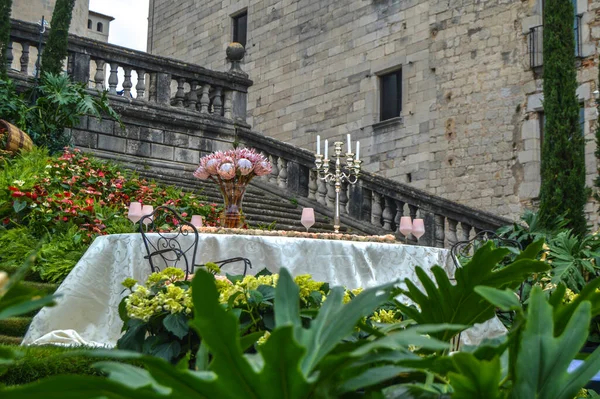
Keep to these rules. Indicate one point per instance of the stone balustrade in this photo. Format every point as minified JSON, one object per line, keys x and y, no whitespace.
{"x":176,"y":112}
{"x":146,"y":80}
{"x":375,"y":204}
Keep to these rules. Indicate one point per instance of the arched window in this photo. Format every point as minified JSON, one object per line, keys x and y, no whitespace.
{"x":99,"y":27}
{"x":89,"y":24}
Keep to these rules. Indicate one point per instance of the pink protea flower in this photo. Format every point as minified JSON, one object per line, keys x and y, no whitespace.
{"x":263,"y":168}
{"x":212,"y":165}
{"x":201,"y":173}
{"x":227,"y":171}
{"x":244,"y":166}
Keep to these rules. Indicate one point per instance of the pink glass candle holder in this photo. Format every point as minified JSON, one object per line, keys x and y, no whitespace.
{"x":418,"y":228}
{"x":406,"y":226}
{"x":147,"y":210}
{"x":135,"y":212}
{"x":308,"y":217}
{"x":197,"y":220}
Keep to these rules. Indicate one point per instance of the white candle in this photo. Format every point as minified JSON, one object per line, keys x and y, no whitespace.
{"x":318,"y":145}
{"x":357,"y":149}
{"x":326,"y":148}
{"x":349,"y":146}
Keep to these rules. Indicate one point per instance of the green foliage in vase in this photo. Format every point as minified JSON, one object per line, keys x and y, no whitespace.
{"x":563,"y":190}
{"x":55,"y":51}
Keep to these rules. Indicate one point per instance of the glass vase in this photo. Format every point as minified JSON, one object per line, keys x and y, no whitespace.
{"x":232,"y":216}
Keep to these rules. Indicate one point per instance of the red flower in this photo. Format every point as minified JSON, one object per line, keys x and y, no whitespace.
{"x":101,"y":174}
{"x":12,"y":188}
{"x":65,"y":218}
{"x":18,"y":194}
{"x":89,"y":201}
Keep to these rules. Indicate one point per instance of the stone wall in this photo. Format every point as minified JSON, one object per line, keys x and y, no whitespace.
{"x":32,"y":11}
{"x":469,"y":129}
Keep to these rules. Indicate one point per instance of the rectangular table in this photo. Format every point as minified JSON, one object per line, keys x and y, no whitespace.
{"x":87,"y":311}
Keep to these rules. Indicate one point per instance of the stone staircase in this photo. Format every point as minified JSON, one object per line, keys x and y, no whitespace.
{"x":262,"y":209}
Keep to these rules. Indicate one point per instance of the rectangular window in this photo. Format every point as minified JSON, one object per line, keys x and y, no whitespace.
{"x":240,"y":26}
{"x":582,"y":119}
{"x":391,"y":95}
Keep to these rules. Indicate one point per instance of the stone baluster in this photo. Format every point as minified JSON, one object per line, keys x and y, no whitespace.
{"x":193,"y":95}
{"x":9,"y":55}
{"x":440,"y":228}
{"x":466,"y":231}
{"x":140,"y":86}
{"x":412,"y":210}
{"x":205,"y":99}
{"x":227,"y":104}
{"x":330,"y":198}
{"x":218,"y":102}
{"x":322,"y":192}
{"x":99,"y":76}
{"x":399,"y":213}
{"x":24,"y":60}
{"x":180,"y":94}
{"x":312,"y":185}
{"x":388,"y":213}
{"x":283,"y":173}
{"x":344,"y":198}
{"x":127,"y":85}
{"x":452,"y":237}
{"x":275,"y":170}
{"x":113,"y":78}
{"x":376,"y":209}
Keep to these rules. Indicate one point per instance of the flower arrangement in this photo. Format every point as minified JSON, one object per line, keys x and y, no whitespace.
{"x":156,"y":314}
{"x":232,"y":170}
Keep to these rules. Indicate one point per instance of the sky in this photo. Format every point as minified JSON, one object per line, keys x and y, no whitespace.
{"x":130,"y":26}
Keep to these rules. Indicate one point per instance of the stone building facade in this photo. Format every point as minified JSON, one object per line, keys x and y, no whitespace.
{"x":33,"y":10}
{"x":98,"y":26}
{"x":470,"y":124}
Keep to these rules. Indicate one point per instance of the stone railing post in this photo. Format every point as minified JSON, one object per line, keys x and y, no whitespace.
{"x":235,"y":53}
{"x":81,"y":68}
{"x":163,"y":88}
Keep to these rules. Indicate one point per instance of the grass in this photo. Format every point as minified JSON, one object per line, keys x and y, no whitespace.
{"x":44,"y":361}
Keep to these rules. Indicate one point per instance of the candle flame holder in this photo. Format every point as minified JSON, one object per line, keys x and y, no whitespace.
{"x":349,"y":172}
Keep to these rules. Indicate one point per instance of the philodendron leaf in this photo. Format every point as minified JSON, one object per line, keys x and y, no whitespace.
{"x":219,"y":330}
{"x":444,"y":302}
{"x":475,"y":378}
{"x":543,"y":359}
{"x":336,"y":321}
{"x":505,"y":300}
{"x":76,"y":387}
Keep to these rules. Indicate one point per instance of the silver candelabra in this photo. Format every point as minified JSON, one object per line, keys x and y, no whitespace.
{"x":349,"y":172}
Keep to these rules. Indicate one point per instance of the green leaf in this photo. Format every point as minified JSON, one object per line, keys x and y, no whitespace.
{"x":177,"y":324}
{"x":336,"y":321}
{"x":131,"y":376}
{"x":444,"y":302}
{"x":372,"y":376}
{"x":167,"y":350}
{"x":133,"y":339}
{"x":76,"y":387}
{"x":505,"y":300}
{"x":254,"y":297}
{"x":287,"y":301}
{"x":543,"y":359}
{"x":267,"y":291}
{"x":26,"y":306}
{"x":19,"y":205}
{"x":475,"y":378}
{"x":250,"y":339}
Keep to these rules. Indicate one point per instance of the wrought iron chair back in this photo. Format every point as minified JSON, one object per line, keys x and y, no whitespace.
{"x":465,"y":249}
{"x":169,"y":247}
{"x":221,"y":263}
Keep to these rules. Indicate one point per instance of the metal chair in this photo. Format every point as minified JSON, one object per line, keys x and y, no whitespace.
{"x":170,"y":247}
{"x":465,"y":249}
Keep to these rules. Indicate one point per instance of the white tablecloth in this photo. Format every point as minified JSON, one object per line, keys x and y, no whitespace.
{"x":87,"y":311}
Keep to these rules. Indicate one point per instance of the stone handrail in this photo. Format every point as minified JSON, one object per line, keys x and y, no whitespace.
{"x":375,"y":204}
{"x":161,"y":81}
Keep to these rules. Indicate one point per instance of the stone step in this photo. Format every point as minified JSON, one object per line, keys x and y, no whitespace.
{"x":15,"y":326}
{"x":44,"y":288}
